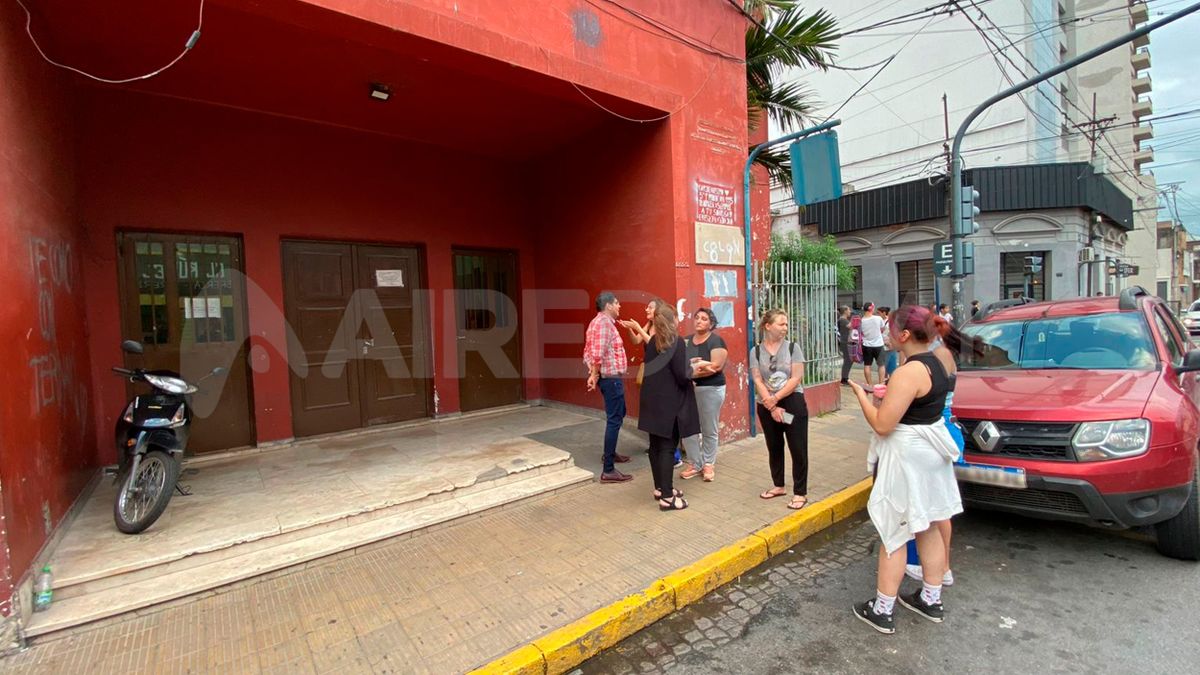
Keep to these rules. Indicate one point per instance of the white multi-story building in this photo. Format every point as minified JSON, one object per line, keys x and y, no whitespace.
{"x":1082,"y":128}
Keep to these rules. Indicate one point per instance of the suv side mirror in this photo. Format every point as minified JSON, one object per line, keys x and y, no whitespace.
{"x":1191,"y":362}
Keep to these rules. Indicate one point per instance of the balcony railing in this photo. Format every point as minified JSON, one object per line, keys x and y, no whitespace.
{"x":1138,"y":12}
{"x":1141,"y":84}
{"x":1141,"y":59}
{"x":1142,"y":107}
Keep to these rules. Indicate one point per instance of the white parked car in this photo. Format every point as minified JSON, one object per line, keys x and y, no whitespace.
{"x":1191,"y":319}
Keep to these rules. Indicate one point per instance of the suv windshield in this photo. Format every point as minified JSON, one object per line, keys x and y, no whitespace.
{"x":1094,"y":342}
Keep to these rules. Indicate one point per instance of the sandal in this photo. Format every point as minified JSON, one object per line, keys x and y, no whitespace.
{"x":803,"y":501}
{"x":772,"y":494}
{"x":690,"y":472}
{"x":676,"y":504}
{"x":658,"y":493}
{"x":710,"y":473}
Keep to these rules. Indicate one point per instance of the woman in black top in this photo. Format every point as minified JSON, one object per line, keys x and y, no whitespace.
{"x":668,"y":404}
{"x":707,"y":353}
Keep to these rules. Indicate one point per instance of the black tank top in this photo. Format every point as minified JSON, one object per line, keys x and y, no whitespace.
{"x":927,"y":409}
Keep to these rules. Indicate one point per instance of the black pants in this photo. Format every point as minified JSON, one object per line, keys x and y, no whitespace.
{"x":796,"y":435}
{"x":662,"y":461}
{"x":847,"y":362}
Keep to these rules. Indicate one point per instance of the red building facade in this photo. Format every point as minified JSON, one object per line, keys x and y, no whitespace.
{"x":254,"y":206}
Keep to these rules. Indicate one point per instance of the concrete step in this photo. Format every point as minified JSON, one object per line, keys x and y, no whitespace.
{"x":86,"y":600}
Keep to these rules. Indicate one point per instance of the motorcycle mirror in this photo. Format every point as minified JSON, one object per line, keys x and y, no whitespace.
{"x":218,"y":371}
{"x":131,"y":347}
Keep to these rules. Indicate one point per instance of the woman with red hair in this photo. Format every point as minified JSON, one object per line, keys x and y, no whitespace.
{"x":915,"y":492}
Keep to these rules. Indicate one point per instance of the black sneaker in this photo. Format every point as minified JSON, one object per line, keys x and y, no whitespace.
{"x":884,"y":623}
{"x":916,"y":603}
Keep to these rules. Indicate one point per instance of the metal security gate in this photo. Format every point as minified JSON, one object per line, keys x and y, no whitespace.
{"x":808,"y":294}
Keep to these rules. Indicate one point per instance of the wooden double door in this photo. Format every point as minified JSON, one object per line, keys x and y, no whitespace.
{"x":359,"y":345}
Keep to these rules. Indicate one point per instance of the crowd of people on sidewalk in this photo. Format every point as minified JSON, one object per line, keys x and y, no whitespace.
{"x":683,"y":383}
{"x":915,"y":441}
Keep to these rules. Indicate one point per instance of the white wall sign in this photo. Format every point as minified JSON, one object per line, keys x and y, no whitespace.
{"x":719,"y":245}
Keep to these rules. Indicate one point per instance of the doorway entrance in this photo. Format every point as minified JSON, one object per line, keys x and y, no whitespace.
{"x":183,"y":298}
{"x":360,"y":356}
{"x":489,"y":332}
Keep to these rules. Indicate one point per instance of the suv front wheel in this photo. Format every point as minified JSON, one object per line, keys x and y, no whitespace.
{"x":1179,"y":537}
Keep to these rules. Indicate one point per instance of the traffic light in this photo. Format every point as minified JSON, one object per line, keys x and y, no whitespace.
{"x":968,"y":223}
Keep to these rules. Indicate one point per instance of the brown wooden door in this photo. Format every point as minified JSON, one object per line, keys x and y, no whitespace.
{"x":360,"y":352}
{"x":318,"y":282}
{"x":489,"y":332}
{"x":183,"y":297}
{"x":392,"y":347}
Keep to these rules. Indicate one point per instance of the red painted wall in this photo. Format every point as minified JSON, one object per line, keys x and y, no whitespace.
{"x":159,"y":164}
{"x":46,"y":432}
{"x":164,"y":162}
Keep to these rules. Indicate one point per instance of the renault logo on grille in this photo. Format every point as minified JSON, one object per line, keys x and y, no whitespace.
{"x":986,"y":436}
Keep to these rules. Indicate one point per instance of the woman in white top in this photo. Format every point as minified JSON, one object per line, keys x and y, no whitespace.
{"x":915,"y":488}
{"x":872,"y":341}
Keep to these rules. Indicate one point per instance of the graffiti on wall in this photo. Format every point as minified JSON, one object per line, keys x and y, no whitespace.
{"x":57,"y":384}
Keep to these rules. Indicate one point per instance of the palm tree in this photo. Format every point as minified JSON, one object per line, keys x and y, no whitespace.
{"x":791,"y":40}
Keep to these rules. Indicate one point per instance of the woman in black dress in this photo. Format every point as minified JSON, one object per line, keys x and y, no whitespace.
{"x":668,"y":409}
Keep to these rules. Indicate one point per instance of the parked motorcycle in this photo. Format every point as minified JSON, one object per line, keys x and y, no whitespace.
{"x":151,"y":436}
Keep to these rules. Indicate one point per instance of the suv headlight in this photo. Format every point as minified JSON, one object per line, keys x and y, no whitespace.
{"x":1096,"y":441}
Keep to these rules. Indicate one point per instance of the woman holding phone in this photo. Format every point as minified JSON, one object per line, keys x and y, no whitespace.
{"x":778,"y":371}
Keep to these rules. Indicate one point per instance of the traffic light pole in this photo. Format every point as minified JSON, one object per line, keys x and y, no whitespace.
{"x":958,"y":231}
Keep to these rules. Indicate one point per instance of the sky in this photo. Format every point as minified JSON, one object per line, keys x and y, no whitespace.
{"x":1175,"y":73}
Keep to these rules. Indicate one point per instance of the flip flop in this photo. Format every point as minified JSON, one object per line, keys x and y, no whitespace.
{"x":792,"y":504}
{"x":771,"y":495}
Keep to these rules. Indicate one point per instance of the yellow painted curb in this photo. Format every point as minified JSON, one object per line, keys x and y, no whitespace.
{"x":851,"y":500}
{"x":527,"y":660}
{"x":571,"y":645}
{"x":693,"y":582}
{"x":577,"y":642}
{"x":795,"y":528}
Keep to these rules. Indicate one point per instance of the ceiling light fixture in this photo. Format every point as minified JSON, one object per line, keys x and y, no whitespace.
{"x":380,"y":92}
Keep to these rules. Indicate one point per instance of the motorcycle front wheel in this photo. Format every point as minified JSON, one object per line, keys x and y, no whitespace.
{"x":144,"y":493}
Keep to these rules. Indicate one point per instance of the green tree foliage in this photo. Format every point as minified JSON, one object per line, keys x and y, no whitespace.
{"x":791,"y":247}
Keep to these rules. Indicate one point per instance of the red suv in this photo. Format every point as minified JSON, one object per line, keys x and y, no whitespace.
{"x":1084,"y":410}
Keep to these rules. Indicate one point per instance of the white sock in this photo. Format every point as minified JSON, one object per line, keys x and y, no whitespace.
{"x":883,"y":603}
{"x":931,"y":594}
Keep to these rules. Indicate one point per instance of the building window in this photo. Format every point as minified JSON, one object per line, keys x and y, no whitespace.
{"x":916,"y":282}
{"x":853,"y":298}
{"x":1024,"y":274}
{"x":1163,"y":288}
{"x":1164,"y":238}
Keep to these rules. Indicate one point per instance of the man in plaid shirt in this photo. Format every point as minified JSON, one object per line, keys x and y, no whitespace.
{"x":604,"y":355}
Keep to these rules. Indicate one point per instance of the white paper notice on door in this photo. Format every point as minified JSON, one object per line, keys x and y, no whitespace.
{"x":389,"y":278}
{"x":202,"y":308}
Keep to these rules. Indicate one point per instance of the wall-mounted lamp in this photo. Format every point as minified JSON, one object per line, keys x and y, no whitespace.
{"x":380,"y":92}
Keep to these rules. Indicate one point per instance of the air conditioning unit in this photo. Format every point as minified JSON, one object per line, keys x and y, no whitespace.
{"x":1087,"y":254}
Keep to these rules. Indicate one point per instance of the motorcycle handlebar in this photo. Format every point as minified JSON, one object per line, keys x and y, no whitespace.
{"x":123,"y":371}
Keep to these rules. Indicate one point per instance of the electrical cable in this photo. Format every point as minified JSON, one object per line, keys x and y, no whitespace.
{"x":652,"y":119}
{"x":664,"y":30}
{"x":187,"y":47}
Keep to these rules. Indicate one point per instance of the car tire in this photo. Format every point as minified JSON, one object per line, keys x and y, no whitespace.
{"x":1179,"y":537}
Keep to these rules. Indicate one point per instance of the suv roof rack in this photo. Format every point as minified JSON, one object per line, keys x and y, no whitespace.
{"x":1129,"y":297}
{"x":1002,"y":304}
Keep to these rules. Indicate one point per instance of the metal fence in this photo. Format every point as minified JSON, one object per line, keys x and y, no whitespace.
{"x":808,"y":294}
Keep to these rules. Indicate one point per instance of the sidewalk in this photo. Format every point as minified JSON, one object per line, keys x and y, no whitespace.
{"x":452,"y":598}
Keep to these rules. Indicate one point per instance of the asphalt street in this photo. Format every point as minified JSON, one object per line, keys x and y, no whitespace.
{"x":1029,"y":596}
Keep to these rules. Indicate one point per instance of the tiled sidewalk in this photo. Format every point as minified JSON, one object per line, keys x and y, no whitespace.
{"x":450,"y":599}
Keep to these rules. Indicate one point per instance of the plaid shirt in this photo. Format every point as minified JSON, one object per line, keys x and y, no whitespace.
{"x":604,"y":347}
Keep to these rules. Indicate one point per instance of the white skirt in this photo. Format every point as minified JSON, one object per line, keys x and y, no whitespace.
{"x":915,"y":485}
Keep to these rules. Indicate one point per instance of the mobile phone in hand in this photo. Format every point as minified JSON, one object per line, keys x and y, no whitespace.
{"x":788,"y":417}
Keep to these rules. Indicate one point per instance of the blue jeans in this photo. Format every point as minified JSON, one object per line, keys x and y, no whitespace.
{"x":614,"y":407}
